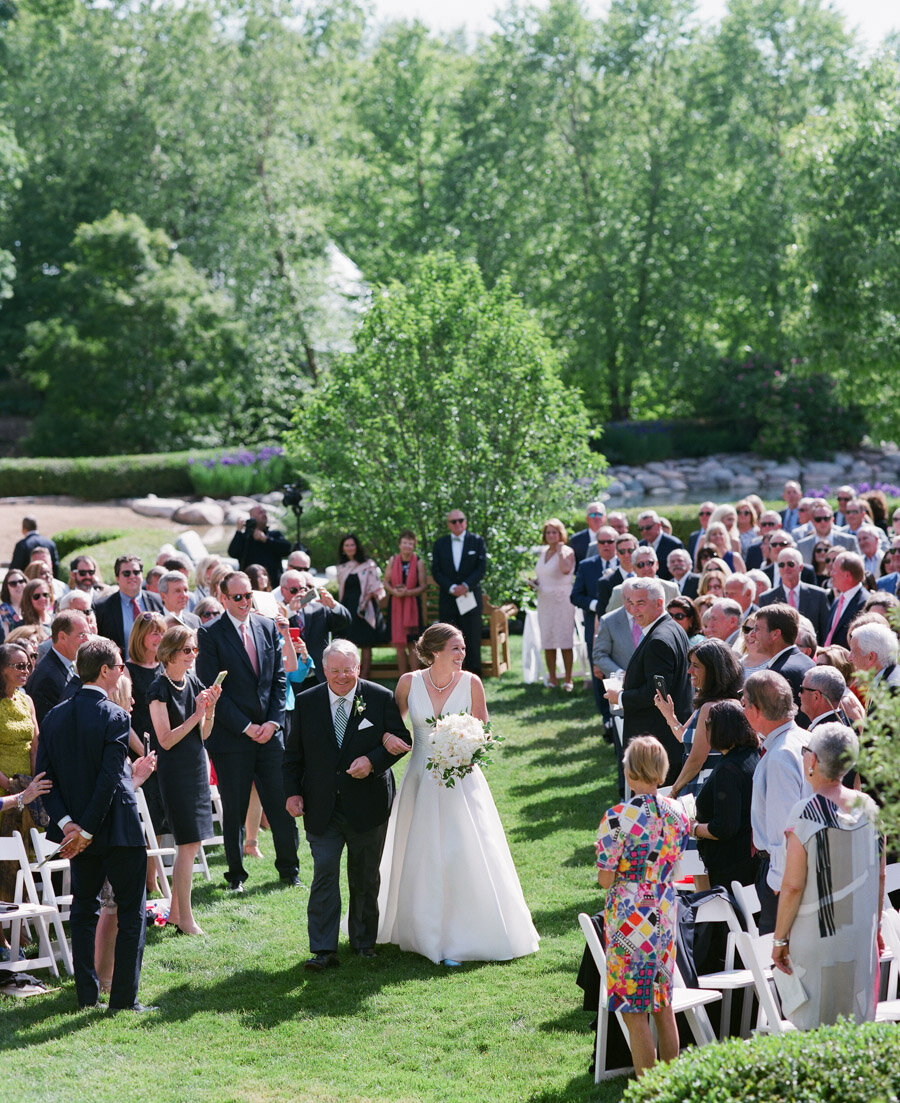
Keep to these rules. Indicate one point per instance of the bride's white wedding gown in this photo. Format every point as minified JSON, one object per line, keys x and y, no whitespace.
{"x":449,"y":888}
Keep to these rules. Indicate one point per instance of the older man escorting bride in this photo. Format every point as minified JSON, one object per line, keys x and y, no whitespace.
{"x":449,"y":889}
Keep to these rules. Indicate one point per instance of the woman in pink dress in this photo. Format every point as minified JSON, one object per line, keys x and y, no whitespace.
{"x":556,"y":613}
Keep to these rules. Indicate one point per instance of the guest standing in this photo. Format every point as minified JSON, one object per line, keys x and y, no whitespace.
{"x":556,"y":614}
{"x":360,"y":590}
{"x":37,"y":605}
{"x":11,"y":591}
{"x":183,"y":713}
{"x":722,"y":825}
{"x":829,"y":908}
{"x":405,"y":580}
{"x":638,"y":844}
{"x":18,"y":744}
{"x":458,"y":563}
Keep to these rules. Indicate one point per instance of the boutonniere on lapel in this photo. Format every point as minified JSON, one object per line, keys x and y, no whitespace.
{"x":359,"y":707}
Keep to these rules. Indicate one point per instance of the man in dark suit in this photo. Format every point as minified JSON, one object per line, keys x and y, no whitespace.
{"x":652,"y":534}
{"x":626,"y":546}
{"x":84,"y":751}
{"x":706,"y":511}
{"x":32,"y":539}
{"x":822,"y":691}
{"x":117,"y":613}
{"x":790,"y":517}
{"x":584,"y":596}
{"x":614,"y":644}
{"x":811,"y":602}
{"x":585,"y":542}
{"x":662,"y":650}
{"x":318,"y":619}
{"x":769,"y":521}
{"x":255,"y":542}
{"x":458,"y":563}
{"x":337,"y":775}
{"x":775,"y":629}
{"x":54,"y":678}
{"x":778,"y":541}
{"x":679,"y":563}
{"x":847,"y":574}
{"x":247,"y":743}
{"x":176,"y":597}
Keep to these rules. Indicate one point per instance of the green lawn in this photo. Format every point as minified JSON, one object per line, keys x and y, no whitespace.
{"x":241,"y":1019}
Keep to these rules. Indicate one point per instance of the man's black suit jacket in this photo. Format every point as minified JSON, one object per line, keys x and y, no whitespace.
{"x":21,"y":555}
{"x":315,"y":768}
{"x":50,"y":682}
{"x":472,"y":565}
{"x":793,"y":665}
{"x":269,"y":553}
{"x":584,"y":591}
{"x":666,"y":544}
{"x":663,"y":650}
{"x":691,"y":584}
{"x":580,"y":543}
{"x":318,"y":622}
{"x":849,"y":611}
{"x":84,"y":750}
{"x":247,"y":698}
{"x":814,"y":604}
{"x":109,"y":615}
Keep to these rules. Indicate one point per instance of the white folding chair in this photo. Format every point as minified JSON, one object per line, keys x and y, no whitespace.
{"x":889,"y":1010}
{"x":690,"y":864}
{"x":61,"y":901}
{"x":730,"y":979}
{"x":26,"y":908}
{"x":155,"y":852}
{"x":687,"y":1001}
{"x":756,"y":954}
{"x":748,"y":901}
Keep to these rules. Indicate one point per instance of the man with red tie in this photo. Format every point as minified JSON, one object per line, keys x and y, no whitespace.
{"x":247,"y":741}
{"x":117,"y":613}
{"x":847,"y":574}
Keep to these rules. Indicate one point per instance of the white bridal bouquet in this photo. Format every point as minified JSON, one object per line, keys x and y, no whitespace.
{"x":459,"y":741}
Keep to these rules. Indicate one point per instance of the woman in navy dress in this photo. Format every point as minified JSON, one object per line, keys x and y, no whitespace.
{"x":183,"y":712}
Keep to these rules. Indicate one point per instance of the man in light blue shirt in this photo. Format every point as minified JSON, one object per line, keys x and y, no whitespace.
{"x":778,"y":782}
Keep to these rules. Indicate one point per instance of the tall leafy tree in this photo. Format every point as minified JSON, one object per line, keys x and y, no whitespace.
{"x":142,"y":353}
{"x":452,"y":398}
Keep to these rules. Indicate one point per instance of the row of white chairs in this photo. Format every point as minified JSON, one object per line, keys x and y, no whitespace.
{"x":752,"y":976}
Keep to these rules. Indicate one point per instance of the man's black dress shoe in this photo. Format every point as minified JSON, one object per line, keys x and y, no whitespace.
{"x":322,"y":961}
{"x":234,"y":886}
{"x":292,"y":882}
{"x":366,"y":951}
{"x":139,"y":1008}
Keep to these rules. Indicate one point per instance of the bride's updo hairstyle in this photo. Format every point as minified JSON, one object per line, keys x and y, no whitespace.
{"x":433,"y":640}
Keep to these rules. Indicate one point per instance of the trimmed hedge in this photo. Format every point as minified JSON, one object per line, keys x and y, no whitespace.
{"x":638,"y":442}
{"x":97,"y":478}
{"x":846,"y":1063}
{"x":70,"y":540}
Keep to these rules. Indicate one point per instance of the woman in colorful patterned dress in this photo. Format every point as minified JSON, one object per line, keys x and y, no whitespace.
{"x":638,"y":844}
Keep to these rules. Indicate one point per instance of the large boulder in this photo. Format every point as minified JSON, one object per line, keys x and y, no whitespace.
{"x":206,"y":512}
{"x":151,"y":506}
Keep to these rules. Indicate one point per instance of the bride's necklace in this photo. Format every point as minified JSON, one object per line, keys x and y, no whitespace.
{"x":178,"y":685}
{"x":440,"y":689}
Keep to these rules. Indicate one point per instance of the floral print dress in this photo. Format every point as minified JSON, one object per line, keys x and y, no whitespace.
{"x":640,"y":841}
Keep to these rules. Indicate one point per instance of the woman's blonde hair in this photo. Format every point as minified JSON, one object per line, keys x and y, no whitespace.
{"x":137,"y":641}
{"x":646,"y":760}
{"x":555,"y":523}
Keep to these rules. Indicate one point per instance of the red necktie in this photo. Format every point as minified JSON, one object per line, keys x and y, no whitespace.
{"x":835,"y":621}
{"x":250,"y":647}
{"x":135,"y":609}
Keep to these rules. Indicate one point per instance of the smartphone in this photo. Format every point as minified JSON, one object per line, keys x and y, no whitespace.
{"x":220,"y":677}
{"x":295,"y":634}
{"x":659,"y":684}
{"x":310,"y":595}
{"x":146,"y":744}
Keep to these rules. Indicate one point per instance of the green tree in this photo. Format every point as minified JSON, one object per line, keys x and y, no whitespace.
{"x":452,"y":398}
{"x":142,"y":354}
{"x":11,"y":164}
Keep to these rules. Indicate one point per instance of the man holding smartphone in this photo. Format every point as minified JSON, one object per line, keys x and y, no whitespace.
{"x":315,"y":614}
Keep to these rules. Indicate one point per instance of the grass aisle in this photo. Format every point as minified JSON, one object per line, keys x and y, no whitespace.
{"x":240,"y":1018}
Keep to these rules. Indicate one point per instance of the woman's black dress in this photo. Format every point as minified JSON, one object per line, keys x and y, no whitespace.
{"x":182,"y":770}
{"x":723,"y":804}
{"x":361,"y":632}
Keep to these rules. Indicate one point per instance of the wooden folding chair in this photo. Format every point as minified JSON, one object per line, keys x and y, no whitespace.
{"x":26,"y":908}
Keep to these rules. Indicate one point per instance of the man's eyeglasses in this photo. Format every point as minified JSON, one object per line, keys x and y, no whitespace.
{"x":293,"y":590}
{"x":87,"y":574}
{"x":705,"y":513}
{"x":595,"y":514}
{"x":131,"y":574}
{"x":606,"y":540}
{"x":240,"y":597}
{"x":779,"y":544}
{"x":821,"y":519}
{"x":457,"y":520}
{"x":647,"y":526}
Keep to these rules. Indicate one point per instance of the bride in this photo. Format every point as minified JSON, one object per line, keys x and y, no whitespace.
{"x":449,"y":889}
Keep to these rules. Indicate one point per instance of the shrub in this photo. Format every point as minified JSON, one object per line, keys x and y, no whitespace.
{"x":69,"y":539}
{"x":241,"y":472}
{"x":635,"y":442}
{"x":96,"y":478}
{"x":846,"y":1063}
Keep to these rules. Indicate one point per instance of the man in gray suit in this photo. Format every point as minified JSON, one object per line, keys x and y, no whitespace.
{"x":615,"y":638}
{"x":824,"y":529}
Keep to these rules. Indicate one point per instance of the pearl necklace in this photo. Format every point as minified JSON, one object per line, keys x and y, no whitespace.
{"x":177,"y":686}
{"x":440,"y":689}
